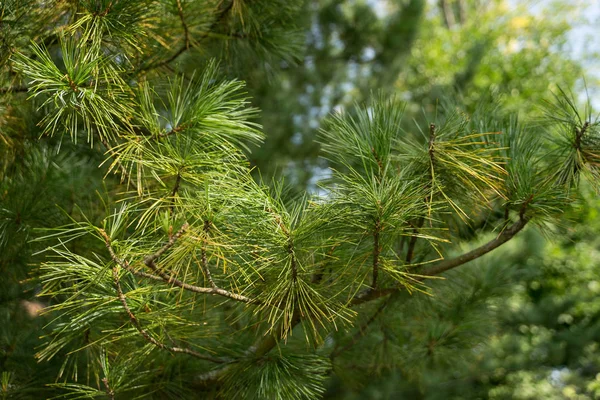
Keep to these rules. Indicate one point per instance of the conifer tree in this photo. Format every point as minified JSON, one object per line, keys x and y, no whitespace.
{"x":169,"y":270}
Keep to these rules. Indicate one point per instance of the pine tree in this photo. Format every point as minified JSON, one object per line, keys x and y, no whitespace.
{"x":171,"y":271}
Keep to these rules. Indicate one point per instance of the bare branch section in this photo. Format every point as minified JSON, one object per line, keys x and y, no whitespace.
{"x":504,"y":237}
{"x":186,"y":30}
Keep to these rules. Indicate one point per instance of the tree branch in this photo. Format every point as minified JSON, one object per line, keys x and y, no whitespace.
{"x":136,"y":323}
{"x":186,"y":31}
{"x":188,"y":43}
{"x":203,"y":258}
{"x":504,"y":237}
{"x":376,"y":252}
{"x":579,"y":134}
{"x":109,"y":392}
{"x":447,"y":13}
{"x":361,"y":330}
{"x":149,"y":261}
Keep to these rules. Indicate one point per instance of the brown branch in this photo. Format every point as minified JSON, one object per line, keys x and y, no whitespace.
{"x":447,"y":13}
{"x":188,"y":44}
{"x":173,"y":131}
{"x":168,"y":245}
{"x":149,"y":261}
{"x":269,"y":341}
{"x":109,"y":392}
{"x":72,"y":84}
{"x":579,"y":134}
{"x":361,"y":330}
{"x":166,"y":278}
{"x":376,"y":252}
{"x":504,"y":237}
{"x":203,"y":258}
{"x":136,"y":323}
{"x":524,"y":207}
{"x":104,"y":12}
{"x":413,"y":239}
{"x":186,"y":31}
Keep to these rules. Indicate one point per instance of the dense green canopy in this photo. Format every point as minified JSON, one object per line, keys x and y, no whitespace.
{"x":295,"y":200}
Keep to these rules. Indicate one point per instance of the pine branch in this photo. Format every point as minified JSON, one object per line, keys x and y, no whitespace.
{"x":203,"y":259}
{"x":149,"y":261}
{"x":504,"y":237}
{"x":146,"y":335}
{"x":579,"y":134}
{"x":188,"y":43}
{"x":136,"y":323}
{"x":174,"y":192}
{"x":269,"y":341}
{"x":109,"y":392}
{"x":376,"y":252}
{"x":449,"y":264}
{"x":362,"y":330}
{"x":186,"y":31}
{"x":125,"y":265}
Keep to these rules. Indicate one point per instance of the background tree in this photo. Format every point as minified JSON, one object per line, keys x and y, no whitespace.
{"x":188,"y":274}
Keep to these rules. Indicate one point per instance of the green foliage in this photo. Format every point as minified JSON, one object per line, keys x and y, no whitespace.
{"x":278,"y":377}
{"x":168,"y":270}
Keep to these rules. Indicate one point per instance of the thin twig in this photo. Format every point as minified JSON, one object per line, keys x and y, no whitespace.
{"x":166,"y":278}
{"x":361,"y":330}
{"x":186,"y":31}
{"x":188,"y":43}
{"x":203,"y":258}
{"x":579,"y":134}
{"x":376,"y":252}
{"x":136,"y":323}
{"x":174,"y":193}
{"x":109,"y":392}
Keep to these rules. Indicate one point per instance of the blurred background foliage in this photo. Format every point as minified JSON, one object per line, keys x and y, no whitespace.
{"x":522,"y":323}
